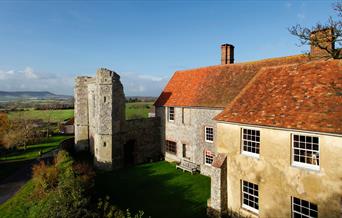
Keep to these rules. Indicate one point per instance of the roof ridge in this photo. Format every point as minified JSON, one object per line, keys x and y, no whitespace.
{"x":243,"y":63}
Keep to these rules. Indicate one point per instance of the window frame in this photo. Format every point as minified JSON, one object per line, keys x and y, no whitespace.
{"x":167,"y":146}
{"x":206,"y":151}
{"x":301,"y":164}
{"x":205,"y":134}
{"x":245,"y":206}
{"x":299,"y":212}
{"x":169,"y":113}
{"x":248,"y":153}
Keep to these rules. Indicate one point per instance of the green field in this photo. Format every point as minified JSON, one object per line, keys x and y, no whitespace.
{"x":54,"y":115}
{"x":133,"y":111}
{"x":158,"y":189}
{"x":138,"y":110}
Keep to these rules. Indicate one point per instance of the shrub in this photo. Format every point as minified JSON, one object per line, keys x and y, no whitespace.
{"x":64,"y":191}
{"x":45,"y":177}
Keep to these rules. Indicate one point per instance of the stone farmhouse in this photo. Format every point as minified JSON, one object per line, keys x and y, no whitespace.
{"x":268,"y":132}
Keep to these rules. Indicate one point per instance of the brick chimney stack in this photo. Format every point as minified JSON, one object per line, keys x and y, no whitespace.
{"x":321,"y":39}
{"x":227,"y":54}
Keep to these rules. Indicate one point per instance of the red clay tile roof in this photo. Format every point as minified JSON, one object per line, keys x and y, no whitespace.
{"x":305,"y":96}
{"x":215,"y":86}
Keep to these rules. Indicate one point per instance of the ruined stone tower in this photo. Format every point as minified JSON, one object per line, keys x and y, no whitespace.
{"x":99,"y":117}
{"x":101,"y":127}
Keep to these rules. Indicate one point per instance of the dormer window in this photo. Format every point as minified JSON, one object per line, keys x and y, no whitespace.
{"x":171,"y":114}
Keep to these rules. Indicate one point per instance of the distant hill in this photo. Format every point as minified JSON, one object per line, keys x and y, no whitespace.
{"x":26,"y":95}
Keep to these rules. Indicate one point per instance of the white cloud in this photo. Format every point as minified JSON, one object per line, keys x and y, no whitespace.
{"x":152,"y":78}
{"x":142,"y":85}
{"x":29,"y":73}
{"x":30,"y":80}
{"x":5,"y":74}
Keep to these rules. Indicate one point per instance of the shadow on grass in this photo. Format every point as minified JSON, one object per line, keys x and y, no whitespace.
{"x":158,"y":189}
{"x":10,"y":168}
{"x":32,"y":151}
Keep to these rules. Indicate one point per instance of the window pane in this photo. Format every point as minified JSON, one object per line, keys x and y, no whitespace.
{"x":303,"y":208}
{"x":250,"y":195}
{"x":307,"y":149}
{"x":251,"y":138}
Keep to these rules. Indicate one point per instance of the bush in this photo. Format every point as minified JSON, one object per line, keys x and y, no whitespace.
{"x":45,"y":177}
{"x":64,"y":190}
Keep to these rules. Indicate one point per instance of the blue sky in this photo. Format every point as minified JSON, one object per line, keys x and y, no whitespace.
{"x":45,"y":45}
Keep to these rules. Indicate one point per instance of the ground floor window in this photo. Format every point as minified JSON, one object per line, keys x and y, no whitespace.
{"x":209,"y":157}
{"x":303,"y":209}
{"x":250,"y":196}
{"x":171,"y":147}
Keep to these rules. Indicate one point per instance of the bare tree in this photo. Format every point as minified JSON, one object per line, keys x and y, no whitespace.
{"x":330,"y":32}
{"x":21,"y":132}
{"x":49,"y":110}
{"x":4,"y":125}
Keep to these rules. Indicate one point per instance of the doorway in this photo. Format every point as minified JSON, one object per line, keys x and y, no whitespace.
{"x":129,"y":149}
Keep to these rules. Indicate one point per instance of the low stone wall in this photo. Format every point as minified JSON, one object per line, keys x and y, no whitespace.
{"x":145,"y":135}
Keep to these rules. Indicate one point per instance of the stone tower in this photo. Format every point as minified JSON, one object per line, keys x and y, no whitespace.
{"x":81,"y":113}
{"x":100,"y":117}
{"x":110,"y":118}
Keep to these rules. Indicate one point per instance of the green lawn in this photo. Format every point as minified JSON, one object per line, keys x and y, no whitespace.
{"x":55,"y":115}
{"x":18,"y":206}
{"x":158,"y":189}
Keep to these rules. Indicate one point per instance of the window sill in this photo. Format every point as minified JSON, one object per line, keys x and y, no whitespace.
{"x":250,"y":210}
{"x":250,"y":154}
{"x":171,"y":153}
{"x":315,"y":168}
{"x":209,"y":141}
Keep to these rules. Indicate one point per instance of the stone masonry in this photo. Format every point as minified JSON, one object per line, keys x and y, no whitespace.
{"x":101,"y":127}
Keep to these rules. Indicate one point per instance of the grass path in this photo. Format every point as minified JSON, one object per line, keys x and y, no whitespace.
{"x":158,"y":189}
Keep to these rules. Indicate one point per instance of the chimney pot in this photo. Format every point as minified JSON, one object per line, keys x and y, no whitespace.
{"x":227,"y":54}
{"x":320,"y":41}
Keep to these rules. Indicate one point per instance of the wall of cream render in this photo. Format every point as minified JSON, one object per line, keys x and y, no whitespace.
{"x":278,"y":180}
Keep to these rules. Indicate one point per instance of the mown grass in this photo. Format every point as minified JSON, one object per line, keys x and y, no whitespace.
{"x":158,"y":189}
{"x":53,"y":115}
{"x":32,"y":151}
{"x":19,"y":205}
